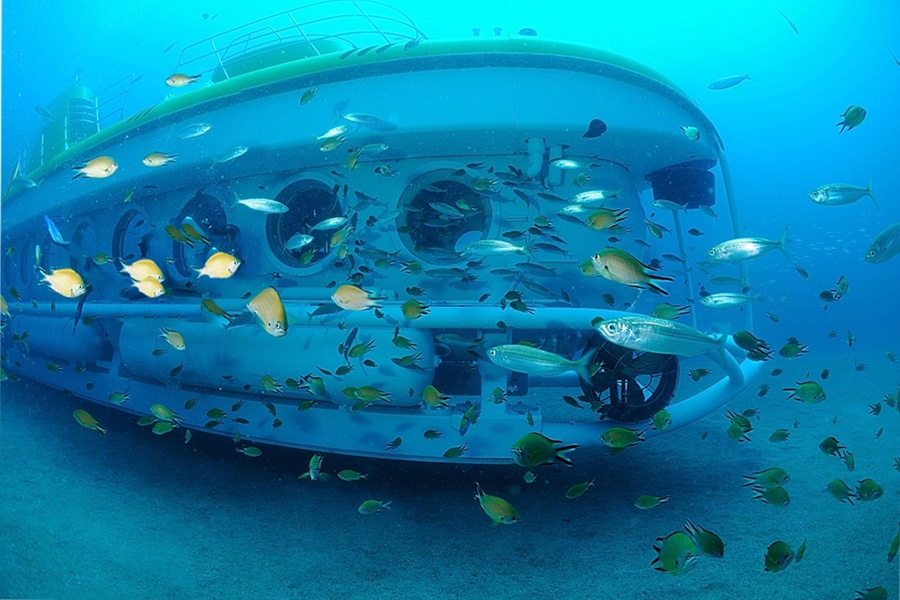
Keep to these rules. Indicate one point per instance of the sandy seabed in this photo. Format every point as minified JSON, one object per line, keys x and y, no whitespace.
{"x":134,"y":515}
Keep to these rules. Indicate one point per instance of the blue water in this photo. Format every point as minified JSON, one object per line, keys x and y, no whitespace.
{"x":136,"y":515}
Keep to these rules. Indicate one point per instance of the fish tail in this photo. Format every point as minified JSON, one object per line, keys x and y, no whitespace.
{"x":782,"y":243}
{"x":655,"y":288}
{"x":562,"y":453}
{"x":871,"y":195}
{"x":582,"y":367}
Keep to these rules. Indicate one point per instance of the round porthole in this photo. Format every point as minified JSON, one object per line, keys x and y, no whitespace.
{"x":131,"y":236}
{"x":302,"y":235}
{"x":440,"y":213}
{"x":204,"y":224}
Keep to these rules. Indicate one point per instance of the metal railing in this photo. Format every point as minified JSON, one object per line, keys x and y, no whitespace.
{"x":353,"y":23}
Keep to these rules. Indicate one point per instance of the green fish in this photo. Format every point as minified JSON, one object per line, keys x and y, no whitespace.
{"x":840,"y":491}
{"x":370,"y":507}
{"x":661,"y":420}
{"x":774,"y":496}
{"x":647,"y":502}
{"x":768,"y":478}
{"x":621,"y":267}
{"x":868,"y":490}
{"x":852,"y":117}
{"x":251,"y":451}
{"x":778,"y":556}
{"x":498,"y":509}
{"x":351,"y":475}
{"x":677,"y":553}
{"x":534,"y":450}
{"x":707,"y":542}
{"x":621,"y":437}
{"x":808,"y":392}
{"x":779,"y":435}
{"x":578,"y":490}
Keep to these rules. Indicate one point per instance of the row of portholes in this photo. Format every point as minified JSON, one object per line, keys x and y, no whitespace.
{"x":439,"y":214}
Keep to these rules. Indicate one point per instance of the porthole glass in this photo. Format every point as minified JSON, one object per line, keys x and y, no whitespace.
{"x":131,"y":236}
{"x":202,"y":217}
{"x":310,"y":203}
{"x":440,"y":214}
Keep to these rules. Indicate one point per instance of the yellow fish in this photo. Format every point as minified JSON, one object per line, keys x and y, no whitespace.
{"x":181,"y":80}
{"x":142,"y":269}
{"x":150,"y":287}
{"x":4,"y":307}
{"x":158,"y":159}
{"x":64,"y":282}
{"x":350,"y":297}
{"x":268,"y":307}
{"x":97,"y":168}
{"x":220,"y":265}
{"x":86,"y":420}
{"x":175,"y":339}
{"x":498,"y":509}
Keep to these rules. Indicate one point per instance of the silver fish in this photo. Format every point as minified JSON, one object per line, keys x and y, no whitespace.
{"x":492,"y":248}
{"x":885,"y":245}
{"x":727,"y":300}
{"x":194,"y":130}
{"x":525,"y":359}
{"x":740,"y":249}
{"x":727,"y":82}
{"x":334,"y":132}
{"x":567,"y":164}
{"x":272,"y":207}
{"x":662,"y":204}
{"x":362,"y":119}
{"x":298,"y":241}
{"x":659,"y":336}
{"x":231,"y":154}
{"x":837,"y":194}
{"x":329,"y":224}
{"x":590,"y":196}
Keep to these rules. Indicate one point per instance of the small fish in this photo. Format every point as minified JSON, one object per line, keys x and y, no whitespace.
{"x":524,"y":359}
{"x":158,"y":159}
{"x":778,"y":556}
{"x":808,"y":392}
{"x":728,"y":82}
{"x":886,"y":245}
{"x":86,"y":420}
{"x":767,"y":478}
{"x":727,"y":300}
{"x":173,"y":338}
{"x":852,"y":117}
{"x":251,"y":451}
{"x":351,"y":475}
{"x":65,"y":282}
{"x":193,"y":234}
{"x":308,"y":96}
{"x":298,"y":241}
{"x":370,"y":507}
{"x":231,"y":154}
{"x":774,"y":496}
{"x":97,"y":168}
{"x":621,"y":267}
{"x":647,"y":502}
{"x":619,"y":438}
{"x":779,"y":435}
{"x":698,"y":374}
{"x":214,"y":308}
{"x":55,"y":235}
{"x":534,"y":450}
{"x":413,"y":309}
{"x":663,"y":204}
{"x":661,"y":420}
{"x":498,"y":509}
{"x":349,"y":297}
{"x":690,"y":132}
{"x":868,"y":490}
{"x":269,"y":309}
{"x":150,"y":287}
{"x":176,"y":234}
{"x":181,"y":80}
{"x":263,"y":205}
{"x":163,"y":427}
{"x":394,"y":444}
{"x":220,"y":265}
{"x":194,"y":130}
{"x":707,"y":542}
{"x":740,"y":249}
{"x":578,"y":490}
{"x":432,"y":434}
{"x":329,"y":224}
{"x":794,"y":29}
{"x":455,"y":452}
{"x":677,"y":553}
{"x":142,"y":269}
{"x":839,"y":194}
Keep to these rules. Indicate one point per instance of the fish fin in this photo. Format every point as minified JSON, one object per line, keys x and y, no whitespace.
{"x":872,"y":196}
{"x":782,"y":243}
{"x":562,"y":452}
{"x":655,"y":288}
{"x":582,"y":367}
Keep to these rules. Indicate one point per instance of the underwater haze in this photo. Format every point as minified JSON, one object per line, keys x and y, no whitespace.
{"x":791,"y":490}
